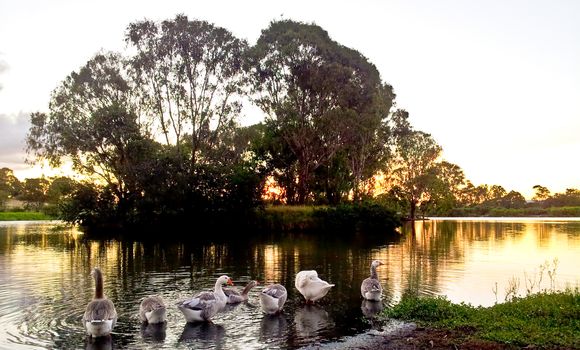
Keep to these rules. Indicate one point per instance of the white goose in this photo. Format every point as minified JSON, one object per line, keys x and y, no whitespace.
{"x":310,"y":286}
{"x":272,"y":298}
{"x":100,"y":316}
{"x":235,"y":297}
{"x":152,"y":310}
{"x":203,"y":306}
{"x":371,"y":288}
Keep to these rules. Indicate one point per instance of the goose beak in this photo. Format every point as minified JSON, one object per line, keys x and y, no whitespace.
{"x":230,"y":282}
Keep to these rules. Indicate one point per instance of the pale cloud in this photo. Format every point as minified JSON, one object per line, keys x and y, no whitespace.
{"x":3,"y":68}
{"x":13,"y":129}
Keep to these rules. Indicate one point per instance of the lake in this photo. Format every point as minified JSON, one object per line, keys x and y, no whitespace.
{"x":45,"y":279}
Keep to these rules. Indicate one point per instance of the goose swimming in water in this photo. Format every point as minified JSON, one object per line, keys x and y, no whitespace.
{"x":203,"y":306}
{"x":235,"y":297}
{"x":371,"y":288}
{"x":100,"y":315}
{"x":310,"y":286}
{"x":152,"y":310}
{"x":273,"y":298}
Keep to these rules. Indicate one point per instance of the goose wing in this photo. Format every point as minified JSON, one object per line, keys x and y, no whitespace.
{"x":321,"y":283}
{"x":201,"y":301}
{"x":370,"y":285}
{"x":149,"y":304}
{"x":303,"y":278}
{"x":152,"y":303}
{"x":277,"y":291}
{"x":230,"y":291}
{"x":99,"y":310}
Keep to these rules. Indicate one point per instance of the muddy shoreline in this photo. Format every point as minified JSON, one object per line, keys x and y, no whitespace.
{"x":409,"y":336}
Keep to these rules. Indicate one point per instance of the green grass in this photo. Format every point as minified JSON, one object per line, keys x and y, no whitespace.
{"x":23,"y":215}
{"x":288,"y":217}
{"x":293,"y":208}
{"x":543,"y":319}
{"x":520,"y":212}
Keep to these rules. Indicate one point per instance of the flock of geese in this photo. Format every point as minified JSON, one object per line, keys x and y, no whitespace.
{"x":100,"y":315}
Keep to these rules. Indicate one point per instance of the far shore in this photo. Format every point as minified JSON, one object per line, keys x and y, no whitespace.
{"x":24,"y":216}
{"x":39,"y":216}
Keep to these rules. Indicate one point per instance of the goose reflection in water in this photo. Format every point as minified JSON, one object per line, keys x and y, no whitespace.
{"x":311,"y":320}
{"x":154,"y":331}
{"x":273,"y":327}
{"x":371,"y":308}
{"x":205,"y":332}
{"x":100,"y":343}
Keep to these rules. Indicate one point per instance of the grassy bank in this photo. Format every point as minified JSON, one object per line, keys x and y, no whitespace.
{"x":541,"y":320}
{"x":517,"y":212}
{"x":23,"y":216}
{"x":346,"y":218}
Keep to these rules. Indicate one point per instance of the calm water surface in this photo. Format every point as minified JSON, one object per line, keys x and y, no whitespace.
{"x":45,"y":279}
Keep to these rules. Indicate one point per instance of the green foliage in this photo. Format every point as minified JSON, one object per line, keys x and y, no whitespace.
{"x":345,"y":219}
{"x":10,"y":186}
{"x":569,"y":198}
{"x":521,"y":212}
{"x":326,"y":109}
{"x":34,"y":191}
{"x":180,"y":84}
{"x":564,"y":211}
{"x":437,"y":310}
{"x":365,"y":217}
{"x":89,"y":205}
{"x":287,"y":218}
{"x":414,"y":168}
{"x":189,"y":76}
{"x":543,"y":319}
{"x":24,"y":215}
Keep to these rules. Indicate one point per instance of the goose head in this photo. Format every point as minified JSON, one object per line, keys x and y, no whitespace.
{"x":95,"y":272}
{"x":376,"y":263}
{"x":225,"y":280}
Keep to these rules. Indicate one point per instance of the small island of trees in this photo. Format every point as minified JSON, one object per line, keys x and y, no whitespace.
{"x":154,"y":131}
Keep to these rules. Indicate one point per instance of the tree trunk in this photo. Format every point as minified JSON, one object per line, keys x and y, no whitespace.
{"x":412,"y":211}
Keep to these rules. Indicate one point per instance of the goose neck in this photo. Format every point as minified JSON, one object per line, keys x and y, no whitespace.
{"x":98,"y":284}
{"x":247,"y":289}
{"x":218,"y":290}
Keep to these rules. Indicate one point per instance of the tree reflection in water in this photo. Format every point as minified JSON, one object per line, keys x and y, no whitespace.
{"x":43,"y":277}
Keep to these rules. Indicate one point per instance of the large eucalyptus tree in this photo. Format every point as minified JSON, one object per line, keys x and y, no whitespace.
{"x":190,"y":78}
{"x":319,"y":96}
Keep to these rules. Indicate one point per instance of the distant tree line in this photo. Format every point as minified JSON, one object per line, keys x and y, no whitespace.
{"x":37,"y":194}
{"x":155,"y":130}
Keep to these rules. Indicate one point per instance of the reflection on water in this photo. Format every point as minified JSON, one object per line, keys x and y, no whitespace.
{"x":102,"y":343}
{"x":311,"y":321}
{"x":153,"y":332}
{"x":46,"y":284}
{"x":273,"y":328}
{"x":371,"y":308}
{"x":206,"y":335}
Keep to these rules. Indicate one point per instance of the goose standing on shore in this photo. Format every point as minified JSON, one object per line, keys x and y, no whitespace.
{"x":203,"y":306}
{"x":100,"y":316}
{"x":310,"y":286}
{"x":152,"y":310}
{"x":235,"y":297}
{"x":273,"y":298}
{"x":371,"y":288}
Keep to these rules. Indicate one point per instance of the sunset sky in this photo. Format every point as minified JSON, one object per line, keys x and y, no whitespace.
{"x":497,"y":83}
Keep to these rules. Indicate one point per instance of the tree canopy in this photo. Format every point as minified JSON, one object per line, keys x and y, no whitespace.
{"x":325,"y":109}
{"x":155,"y":130}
